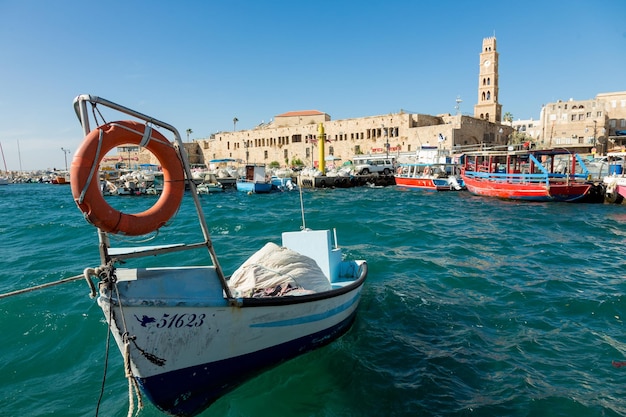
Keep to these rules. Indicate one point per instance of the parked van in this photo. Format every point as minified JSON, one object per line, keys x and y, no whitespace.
{"x":364,"y":165}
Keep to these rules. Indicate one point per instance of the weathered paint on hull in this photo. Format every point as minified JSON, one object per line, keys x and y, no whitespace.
{"x":186,"y":353}
{"x":528,"y":191}
{"x":203,"y":384}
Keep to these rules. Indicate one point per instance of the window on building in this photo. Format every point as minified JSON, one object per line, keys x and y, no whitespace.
{"x":612,"y":123}
{"x":581,"y":117}
{"x":331,"y":150}
{"x":357,"y":149}
{"x":296,"y":138}
{"x":599,"y":114}
{"x":286,"y":154}
{"x":622,"y":123}
{"x":573,"y":117}
{"x":265,"y":155}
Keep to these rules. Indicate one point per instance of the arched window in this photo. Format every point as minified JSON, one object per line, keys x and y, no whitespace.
{"x":488,"y":95}
{"x":488,"y":81}
{"x":483,"y":96}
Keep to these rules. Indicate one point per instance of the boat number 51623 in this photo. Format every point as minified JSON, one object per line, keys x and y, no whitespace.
{"x":177,"y":320}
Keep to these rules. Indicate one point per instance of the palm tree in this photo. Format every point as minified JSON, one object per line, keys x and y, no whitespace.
{"x":189,"y":132}
{"x":508,"y":117}
{"x":235,"y":120}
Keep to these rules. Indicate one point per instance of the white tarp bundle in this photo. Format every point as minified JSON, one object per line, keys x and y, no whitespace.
{"x":272,"y":266}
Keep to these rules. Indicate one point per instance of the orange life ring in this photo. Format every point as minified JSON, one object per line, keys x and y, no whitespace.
{"x":85,"y":182}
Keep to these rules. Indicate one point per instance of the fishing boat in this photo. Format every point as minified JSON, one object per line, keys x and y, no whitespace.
{"x":531,"y":175}
{"x":431,"y":169}
{"x":209,"y":188}
{"x":429,"y":177}
{"x":615,"y":182}
{"x":189,"y":334}
{"x":254,"y":180}
{"x":209,"y":185}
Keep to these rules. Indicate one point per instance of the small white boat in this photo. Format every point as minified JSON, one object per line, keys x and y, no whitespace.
{"x":209,"y":188}
{"x":188,"y":334}
{"x":209,"y":185}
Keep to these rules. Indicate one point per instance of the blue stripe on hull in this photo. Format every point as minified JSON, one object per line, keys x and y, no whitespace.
{"x":189,"y":391}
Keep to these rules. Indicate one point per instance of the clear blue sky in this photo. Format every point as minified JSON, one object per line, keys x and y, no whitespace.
{"x":199,"y":64}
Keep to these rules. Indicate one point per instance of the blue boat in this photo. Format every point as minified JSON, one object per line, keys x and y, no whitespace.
{"x":254,"y":181}
{"x":189,"y":334}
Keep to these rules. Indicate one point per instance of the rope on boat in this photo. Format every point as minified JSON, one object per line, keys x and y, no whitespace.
{"x":133,"y":385}
{"x":46,"y":285}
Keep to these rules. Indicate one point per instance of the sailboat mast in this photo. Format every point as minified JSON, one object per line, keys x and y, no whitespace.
{"x":3,"y":160}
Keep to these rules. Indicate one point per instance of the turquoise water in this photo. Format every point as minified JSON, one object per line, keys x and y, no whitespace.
{"x":473,"y":306}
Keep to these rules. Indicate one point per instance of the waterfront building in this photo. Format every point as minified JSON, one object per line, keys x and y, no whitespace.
{"x":291,"y":137}
{"x":595,"y":125}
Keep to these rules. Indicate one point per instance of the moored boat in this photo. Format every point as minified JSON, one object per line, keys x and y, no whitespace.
{"x":431,"y":169}
{"x":530,"y":175}
{"x":189,"y":334}
{"x":615,"y":182}
{"x":254,"y":181}
{"x":429,"y":177}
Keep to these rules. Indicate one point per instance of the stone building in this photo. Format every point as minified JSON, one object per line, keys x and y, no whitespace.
{"x":292,"y":137}
{"x":488,"y":107}
{"x":595,"y":125}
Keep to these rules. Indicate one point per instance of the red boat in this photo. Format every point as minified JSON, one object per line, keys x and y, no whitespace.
{"x":429,"y":177}
{"x":532,"y":175}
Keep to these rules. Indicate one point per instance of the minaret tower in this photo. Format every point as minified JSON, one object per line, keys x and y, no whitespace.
{"x":488,"y":107}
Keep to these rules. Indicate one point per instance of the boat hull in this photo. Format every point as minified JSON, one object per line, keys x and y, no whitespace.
{"x":189,"y":347}
{"x":203,"y":384}
{"x":520,"y":190}
{"x":254,"y":187}
{"x":428,"y":184}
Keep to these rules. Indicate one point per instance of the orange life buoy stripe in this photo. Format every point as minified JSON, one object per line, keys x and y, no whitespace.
{"x":85,"y":183}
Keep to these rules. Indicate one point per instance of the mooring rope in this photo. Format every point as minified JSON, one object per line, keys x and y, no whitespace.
{"x":133,"y":385}
{"x":46,"y":285}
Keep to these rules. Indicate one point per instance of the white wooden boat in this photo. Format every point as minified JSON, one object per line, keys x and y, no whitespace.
{"x":188,"y":335}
